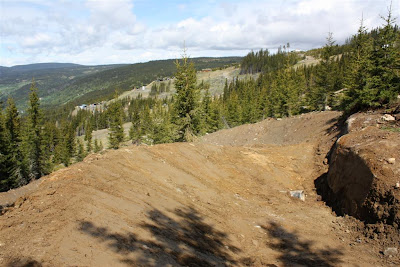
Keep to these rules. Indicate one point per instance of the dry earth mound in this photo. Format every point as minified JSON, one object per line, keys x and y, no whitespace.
{"x":222,"y":201}
{"x":364,"y":175}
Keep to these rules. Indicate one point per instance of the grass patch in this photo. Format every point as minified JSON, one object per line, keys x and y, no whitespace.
{"x":391,"y":129}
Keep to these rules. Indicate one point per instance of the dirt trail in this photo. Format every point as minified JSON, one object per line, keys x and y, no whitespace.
{"x":222,"y":201}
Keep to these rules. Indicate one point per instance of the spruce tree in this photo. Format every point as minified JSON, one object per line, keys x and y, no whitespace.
{"x":33,"y":138}
{"x":357,"y":93}
{"x":383,"y":84}
{"x":186,"y":106}
{"x":4,"y":167}
{"x":17,"y":171}
{"x":81,"y":151}
{"x":116,"y":131}
{"x":68,"y":144}
{"x":88,"y":136}
{"x":96,"y":146}
{"x":325,"y":77}
{"x":135,"y":129}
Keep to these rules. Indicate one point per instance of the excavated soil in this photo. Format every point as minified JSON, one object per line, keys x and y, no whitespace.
{"x":221,"y":201}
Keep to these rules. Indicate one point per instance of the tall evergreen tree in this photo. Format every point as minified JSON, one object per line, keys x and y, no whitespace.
{"x":33,"y":138}
{"x":88,"y":136}
{"x":384,"y":81}
{"x":325,"y":78}
{"x":357,"y":94}
{"x":4,"y":167}
{"x":17,"y":170}
{"x":186,"y":106}
{"x":68,"y":144}
{"x":116,"y":132}
{"x":135,"y":130}
{"x":80,"y":155}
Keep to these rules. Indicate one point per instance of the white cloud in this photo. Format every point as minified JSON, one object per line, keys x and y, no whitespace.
{"x":98,"y":32}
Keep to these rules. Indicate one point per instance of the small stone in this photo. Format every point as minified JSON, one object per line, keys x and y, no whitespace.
{"x":388,"y":117}
{"x":255,"y":242}
{"x":390,"y":251}
{"x":358,"y":240}
{"x":397,"y":186}
{"x":391,"y":160}
{"x":298,"y":194}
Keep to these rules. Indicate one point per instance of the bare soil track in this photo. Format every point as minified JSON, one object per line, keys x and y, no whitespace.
{"x":221,"y":201}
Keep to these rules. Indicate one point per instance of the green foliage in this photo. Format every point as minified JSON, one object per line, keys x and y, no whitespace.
{"x":264,"y":61}
{"x":17,"y":171}
{"x":116,"y":131}
{"x":68,"y":148}
{"x":33,"y":140}
{"x":88,"y":136}
{"x":5,"y":183}
{"x":186,"y":105}
{"x":81,"y":152}
{"x":373,"y":79}
{"x":97,"y":147}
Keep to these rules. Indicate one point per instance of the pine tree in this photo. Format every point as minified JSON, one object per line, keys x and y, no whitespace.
{"x":81,"y":151}
{"x":33,"y":139}
{"x":356,"y":97}
{"x":96,"y":146}
{"x":116,"y":132}
{"x":186,"y":106}
{"x":135,"y":129}
{"x":68,"y":144}
{"x":88,"y":136}
{"x":383,"y":84}
{"x":162,"y":129}
{"x":4,"y":167}
{"x":17,"y":171}
{"x":206,"y":112}
{"x":325,"y":76}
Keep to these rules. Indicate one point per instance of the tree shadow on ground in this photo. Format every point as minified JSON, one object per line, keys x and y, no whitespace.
{"x":23,"y":262}
{"x":186,"y":240}
{"x":294,"y":250}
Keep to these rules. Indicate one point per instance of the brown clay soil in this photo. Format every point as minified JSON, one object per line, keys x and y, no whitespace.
{"x":221,"y":201}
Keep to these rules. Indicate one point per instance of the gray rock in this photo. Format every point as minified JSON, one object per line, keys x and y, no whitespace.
{"x":298,"y":194}
{"x":390,"y":251}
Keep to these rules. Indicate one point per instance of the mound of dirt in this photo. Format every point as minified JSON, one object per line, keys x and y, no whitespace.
{"x":364,"y":175}
{"x":222,"y":201}
{"x":305,"y":128}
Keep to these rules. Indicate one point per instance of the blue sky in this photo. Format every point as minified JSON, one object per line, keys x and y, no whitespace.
{"x":127,"y":31}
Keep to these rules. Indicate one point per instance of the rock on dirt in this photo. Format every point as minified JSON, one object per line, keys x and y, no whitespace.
{"x":390,"y":252}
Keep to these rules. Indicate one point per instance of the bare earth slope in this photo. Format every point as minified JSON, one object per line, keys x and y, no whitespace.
{"x":222,"y":201}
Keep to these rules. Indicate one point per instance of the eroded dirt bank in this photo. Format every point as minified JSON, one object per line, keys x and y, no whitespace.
{"x":364,"y":175}
{"x":222,"y":201}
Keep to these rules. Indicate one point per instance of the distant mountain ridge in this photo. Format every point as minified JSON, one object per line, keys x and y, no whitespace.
{"x":40,"y":66}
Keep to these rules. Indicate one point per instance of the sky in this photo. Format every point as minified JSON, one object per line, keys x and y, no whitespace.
{"x":95,"y":32}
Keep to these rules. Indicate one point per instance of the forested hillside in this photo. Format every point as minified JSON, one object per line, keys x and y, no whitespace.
{"x":50,"y":77}
{"x":59,"y":84}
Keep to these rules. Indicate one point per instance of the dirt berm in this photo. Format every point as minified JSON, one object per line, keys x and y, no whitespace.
{"x":221,"y":201}
{"x":364,"y":174}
